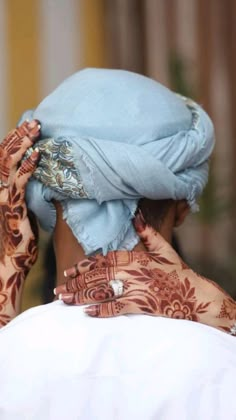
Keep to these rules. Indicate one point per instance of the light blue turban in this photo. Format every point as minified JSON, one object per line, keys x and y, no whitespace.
{"x":110,"y":137}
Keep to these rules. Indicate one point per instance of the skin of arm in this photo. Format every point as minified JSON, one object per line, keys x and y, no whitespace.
{"x":18,"y":241}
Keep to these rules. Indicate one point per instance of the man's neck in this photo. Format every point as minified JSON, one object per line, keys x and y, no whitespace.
{"x":69,"y":251}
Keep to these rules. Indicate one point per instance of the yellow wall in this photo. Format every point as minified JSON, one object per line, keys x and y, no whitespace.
{"x":93,"y":28}
{"x":23,"y":58}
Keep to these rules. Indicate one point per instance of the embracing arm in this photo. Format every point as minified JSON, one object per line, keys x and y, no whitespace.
{"x":18,"y":242}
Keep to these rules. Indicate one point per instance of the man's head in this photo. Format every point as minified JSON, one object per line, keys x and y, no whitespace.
{"x":115,"y":137}
{"x":162,"y":213}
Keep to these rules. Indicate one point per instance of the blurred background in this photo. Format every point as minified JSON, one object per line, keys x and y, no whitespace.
{"x":188,"y":45}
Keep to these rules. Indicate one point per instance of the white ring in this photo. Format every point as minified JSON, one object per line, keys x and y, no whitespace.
{"x":117,"y":286}
{"x":3,"y":184}
{"x":233,"y":329}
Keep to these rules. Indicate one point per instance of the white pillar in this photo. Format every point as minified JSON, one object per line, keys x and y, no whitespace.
{"x":60,"y":49}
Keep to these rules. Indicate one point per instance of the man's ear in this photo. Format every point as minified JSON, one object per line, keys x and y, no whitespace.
{"x":181,"y":211}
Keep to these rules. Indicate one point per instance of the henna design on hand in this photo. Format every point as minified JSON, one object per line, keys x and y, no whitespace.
{"x":156,"y":282}
{"x":152,"y":290}
{"x":11,"y":215}
{"x":11,"y":147}
{"x":18,"y":243}
{"x":228,"y":309}
{"x":4,"y":318}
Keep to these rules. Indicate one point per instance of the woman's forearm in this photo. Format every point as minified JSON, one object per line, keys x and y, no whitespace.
{"x":11,"y":285}
{"x":13,"y":272}
{"x":18,"y":242}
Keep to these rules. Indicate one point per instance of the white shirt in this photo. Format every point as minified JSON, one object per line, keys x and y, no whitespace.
{"x":56,"y":363}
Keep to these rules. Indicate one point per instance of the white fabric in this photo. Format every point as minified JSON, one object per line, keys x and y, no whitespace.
{"x":59,"y":364}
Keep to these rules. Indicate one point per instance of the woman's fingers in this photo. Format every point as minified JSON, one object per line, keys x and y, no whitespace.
{"x":26,"y":169}
{"x":97,"y":293}
{"x":93,"y":286}
{"x":19,"y":147}
{"x":112,"y":259}
{"x":27,"y":129}
{"x":116,"y":307}
{"x":80,"y":267}
{"x":14,"y":146}
{"x":86,"y":281}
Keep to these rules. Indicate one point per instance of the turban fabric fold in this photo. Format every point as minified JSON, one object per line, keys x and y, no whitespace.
{"x":110,"y":137}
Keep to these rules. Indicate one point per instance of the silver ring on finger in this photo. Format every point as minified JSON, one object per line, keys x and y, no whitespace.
{"x":3,"y":184}
{"x":117,"y":286}
{"x":233,"y":330}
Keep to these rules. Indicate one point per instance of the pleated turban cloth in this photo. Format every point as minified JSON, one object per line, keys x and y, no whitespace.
{"x":110,"y":137}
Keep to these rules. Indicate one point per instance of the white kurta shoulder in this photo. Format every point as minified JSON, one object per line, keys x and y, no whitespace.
{"x":59,"y":364}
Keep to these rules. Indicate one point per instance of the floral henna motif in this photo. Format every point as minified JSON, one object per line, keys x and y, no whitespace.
{"x":150,"y":291}
{"x":183,"y":304}
{"x":13,"y":284}
{"x":146,"y":303}
{"x":165,"y":284}
{"x":22,"y":263}
{"x":25,"y":260}
{"x":11,"y":214}
{"x":168,"y":295}
{"x":3,"y":299}
{"x":18,"y":242}
{"x":99,"y":294}
{"x":228,"y":309}
{"x":11,"y":237}
{"x":4,"y":319}
{"x":159,"y":258}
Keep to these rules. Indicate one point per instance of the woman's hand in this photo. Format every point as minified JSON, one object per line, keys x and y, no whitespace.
{"x":157,"y":282}
{"x":18,"y":243}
